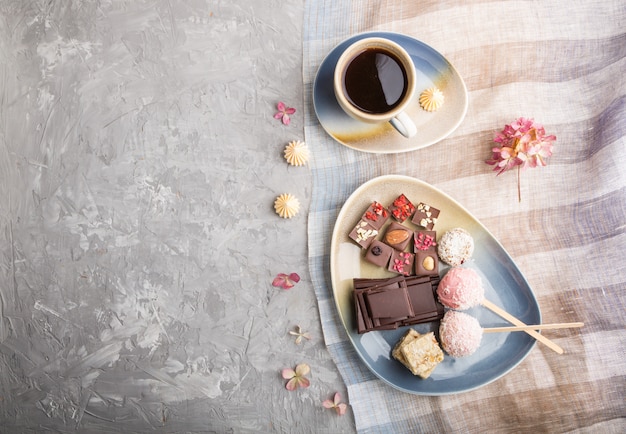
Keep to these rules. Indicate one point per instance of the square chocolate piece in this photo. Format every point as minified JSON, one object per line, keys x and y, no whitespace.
{"x":376,"y":215}
{"x":401,"y":208}
{"x":398,"y":236}
{"x":426,"y":263}
{"x":389,"y":303}
{"x":425,"y":216}
{"x":363,"y":234}
{"x":378,"y":253}
{"x":401,"y":263}
{"x":424,"y":303}
{"x":424,"y":240}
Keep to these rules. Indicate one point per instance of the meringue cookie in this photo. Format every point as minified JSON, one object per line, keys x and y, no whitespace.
{"x":431,"y":99}
{"x":297,"y":153}
{"x":286,"y":205}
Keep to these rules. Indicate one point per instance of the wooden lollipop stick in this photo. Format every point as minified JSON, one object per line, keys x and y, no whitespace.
{"x":562,"y":325}
{"x":510,"y":318}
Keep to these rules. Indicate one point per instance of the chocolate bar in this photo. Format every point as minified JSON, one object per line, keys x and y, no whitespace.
{"x":386,"y":304}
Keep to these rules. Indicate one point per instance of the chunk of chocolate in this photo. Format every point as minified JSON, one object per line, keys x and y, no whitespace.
{"x":401,"y":208}
{"x":363,"y":234}
{"x":424,"y":240}
{"x":378,"y":253}
{"x":401,"y":262}
{"x":422,"y":293}
{"x":397,"y":236}
{"x":425,"y":216}
{"x":386,"y":304}
{"x":389,"y":303}
{"x":376,"y":215}
{"x":363,"y":309}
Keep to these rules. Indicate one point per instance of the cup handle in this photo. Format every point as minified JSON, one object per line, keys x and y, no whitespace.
{"x":403,"y":123}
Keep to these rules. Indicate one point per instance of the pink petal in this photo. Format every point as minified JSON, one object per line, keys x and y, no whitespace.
{"x":337,"y":398}
{"x":294,"y":277}
{"x":286,"y":119}
{"x":341,"y":409}
{"x":279,"y":280}
{"x":290,"y":110}
{"x":288,"y":373}
{"x":281,"y":106}
{"x":328,"y":404}
{"x":292,"y":384}
{"x":278,"y":115}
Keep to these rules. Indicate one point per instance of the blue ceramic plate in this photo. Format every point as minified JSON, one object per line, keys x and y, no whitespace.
{"x":432,"y":70}
{"x":504,"y":284}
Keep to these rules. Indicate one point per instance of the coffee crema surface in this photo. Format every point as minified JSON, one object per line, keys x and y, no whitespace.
{"x":375,"y":81}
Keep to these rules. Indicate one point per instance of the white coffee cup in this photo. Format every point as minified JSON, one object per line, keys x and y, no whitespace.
{"x":374,"y":82}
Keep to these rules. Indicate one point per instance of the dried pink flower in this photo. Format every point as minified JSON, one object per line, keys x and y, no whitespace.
{"x":284,"y":112}
{"x":336,"y":403}
{"x":523,"y":143}
{"x":300,"y":335}
{"x":296,"y":377}
{"x":286,"y":281}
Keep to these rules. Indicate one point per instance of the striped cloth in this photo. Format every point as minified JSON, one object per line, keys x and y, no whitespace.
{"x":565,"y":67}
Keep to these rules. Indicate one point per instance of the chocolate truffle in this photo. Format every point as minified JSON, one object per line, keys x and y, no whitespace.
{"x":455,"y":246}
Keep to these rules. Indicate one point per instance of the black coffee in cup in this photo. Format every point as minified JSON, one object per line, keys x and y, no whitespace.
{"x":375,"y":81}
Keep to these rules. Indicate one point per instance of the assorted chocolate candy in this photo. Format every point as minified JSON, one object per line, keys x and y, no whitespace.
{"x":410,"y":298}
{"x":397,"y":247}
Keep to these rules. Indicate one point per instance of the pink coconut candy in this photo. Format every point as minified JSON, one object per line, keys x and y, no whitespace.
{"x":461,"y":288}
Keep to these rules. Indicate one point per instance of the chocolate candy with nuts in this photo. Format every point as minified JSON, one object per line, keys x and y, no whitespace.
{"x":398,"y":236}
{"x":425,"y":216}
{"x":426,"y":263}
{"x":363,"y":234}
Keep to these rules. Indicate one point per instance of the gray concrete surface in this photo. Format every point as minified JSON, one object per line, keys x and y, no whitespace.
{"x":139,"y":160}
